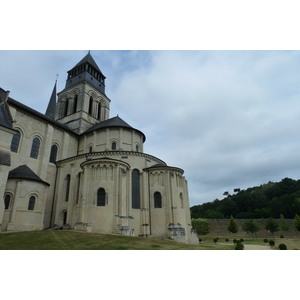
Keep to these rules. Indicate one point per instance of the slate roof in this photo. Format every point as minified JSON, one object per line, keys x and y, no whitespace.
{"x":5,"y":117}
{"x":50,"y":112}
{"x":24,"y":172}
{"x":113,"y":122}
{"x":89,"y":59}
{"x":38,"y":114}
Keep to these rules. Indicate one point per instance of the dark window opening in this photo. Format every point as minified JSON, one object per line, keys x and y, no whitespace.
{"x":99,"y":111}
{"x":113,"y":146}
{"x":66,"y":107}
{"x":15,"y":142}
{"x":75,"y":104}
{"x":68,"y":179}
{"x":53,"y":154}
{"x":135,"y":189}
{"x":6,"y":202}
{"x":101,"y":197}
{"x":35,"y":148}
{"x":91,"y":106}
{"x":65,"y":217}
{"x":31,"y":203}
{"x":157,"y":200}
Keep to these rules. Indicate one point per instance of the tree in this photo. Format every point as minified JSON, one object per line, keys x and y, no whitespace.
{"x":232,"y":226}
{"x":202,"y":226}
{"x":271,"y":226}
{"x":283,"y":225}
{"x":251,"y":226}
{"x":297,"y":222}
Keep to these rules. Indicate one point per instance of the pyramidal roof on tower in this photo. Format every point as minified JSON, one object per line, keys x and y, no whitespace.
{"x":50,"y":112}
{"x":89,"y":59}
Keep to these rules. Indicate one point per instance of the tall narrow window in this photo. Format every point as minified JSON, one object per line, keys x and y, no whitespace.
{"x":90,"y":149}
{"x":113,"y":146}
{"x":15,"y":142}
{"x":101,"y":197}
{"x":135,"y":189}
{"x":78,"y":187}
{"x":66,"y":107}
{"x":91,"y":106}
{"x":53,"y":154}
{"x":99,"y":111}
{"x":68,"y":179}
{"x":65,"y":217}
{"x":157,"y":200}
{"x":75,"y":104}
{"x":137,"y":148}
{"x":35,"y":148}
{"x":31,"y":203}
{"x":6,"y":201}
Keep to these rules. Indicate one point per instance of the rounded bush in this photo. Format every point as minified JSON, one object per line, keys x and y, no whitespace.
{"x":266,"y":241}
{"x":282,"y":247}
{"x":239,"y":246}
{"x":271,"y":243}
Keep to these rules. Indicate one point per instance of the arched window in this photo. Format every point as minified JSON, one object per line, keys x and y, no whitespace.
{"x":35,"y":148}
{"x":65,"y":217}
{"x":135,"y":189}
{"x":53,"y":154}
{"x":91,"y":106}
{"x":66,"y":107}
{"x":137,"y":148}
{"x":157,"y":200}
{"x":90,"y":149}
{"x":113,"y":146}
{"x":15,"y":142}
{"x":31,"y":203}
{"x":99,"y":111}
{"x":75,"y":104}
{"x":6,"y":201}
{"x":67,"y":186}
{"x":101,"y":197}
{"x":78,"y":187}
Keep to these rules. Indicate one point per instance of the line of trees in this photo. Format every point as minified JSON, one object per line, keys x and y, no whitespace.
{"x":202,"y":226}
{"x":261,"y":202}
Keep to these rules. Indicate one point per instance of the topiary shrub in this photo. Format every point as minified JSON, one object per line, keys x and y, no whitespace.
{"x":282,"y":247}
{"x":226,"y":240}
{"x":266,"y":241}
{"x":242,"y":240}
{"x":200,"y":240}
{"x":271,"y":243}
{"x":239,"y":246}
{"x":215,"y":241}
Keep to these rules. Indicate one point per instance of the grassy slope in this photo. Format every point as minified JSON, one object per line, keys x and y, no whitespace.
{"x":71,"y":240}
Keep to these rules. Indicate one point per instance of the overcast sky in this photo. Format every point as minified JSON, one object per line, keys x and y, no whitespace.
{"x":230,"y":119}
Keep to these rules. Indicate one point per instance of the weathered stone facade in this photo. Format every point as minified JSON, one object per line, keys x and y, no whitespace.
{"x":77,"y":168}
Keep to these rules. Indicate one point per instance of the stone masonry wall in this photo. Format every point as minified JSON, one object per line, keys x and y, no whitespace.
{"x":218,"y":227}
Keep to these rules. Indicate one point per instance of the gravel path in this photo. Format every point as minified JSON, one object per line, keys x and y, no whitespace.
{"x":257,"y":247}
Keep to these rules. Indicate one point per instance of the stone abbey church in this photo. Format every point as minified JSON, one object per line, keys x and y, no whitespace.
{"x":77,"y":168}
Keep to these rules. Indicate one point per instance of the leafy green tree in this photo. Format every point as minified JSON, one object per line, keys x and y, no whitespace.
{"x":283,"y":225}
{"x":250,"y":226}
{"x":271,"y":226}
{"x":202,"y":226}
{"x":232,"y":226}
{"x":297,"y":222}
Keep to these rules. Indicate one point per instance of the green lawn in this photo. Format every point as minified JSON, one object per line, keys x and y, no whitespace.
{"x":71,"y":240}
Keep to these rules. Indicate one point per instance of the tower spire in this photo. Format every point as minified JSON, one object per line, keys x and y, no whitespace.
{"x":50,"y":112}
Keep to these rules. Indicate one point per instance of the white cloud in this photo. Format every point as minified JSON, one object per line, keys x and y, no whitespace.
{"x":228,"y":118}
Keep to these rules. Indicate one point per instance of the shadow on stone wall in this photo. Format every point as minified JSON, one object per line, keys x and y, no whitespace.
{"x":219,"y":227}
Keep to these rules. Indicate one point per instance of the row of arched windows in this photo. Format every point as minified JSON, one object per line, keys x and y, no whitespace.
{"x":35,"y":147}
{"x":68,"y":103}
{"x":8,"y":202}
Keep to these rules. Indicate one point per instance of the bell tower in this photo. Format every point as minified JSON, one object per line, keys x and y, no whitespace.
{"x":83,"y":103}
